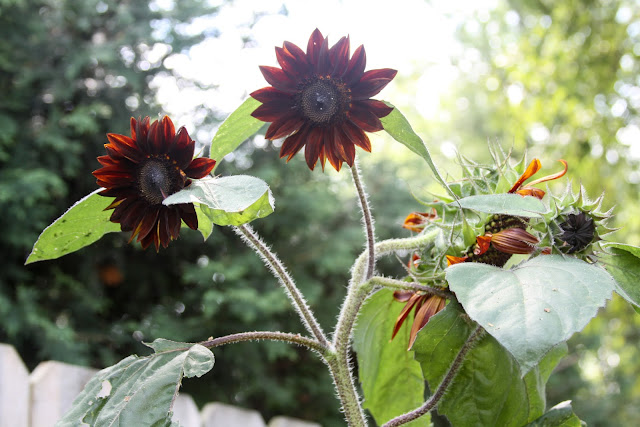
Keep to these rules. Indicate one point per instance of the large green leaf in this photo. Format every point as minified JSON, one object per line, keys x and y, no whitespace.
{"x":397,"y":125}
{"x":488,"y":389}
{"x":139,"y":391}
{"x":81,"y":225}
{"x":391,"y":379}
{"x":623,"y":263}
{"x":560,"y":415}
{"x":231,"y":200}
{"x":239,"y":126}
{"x":507,"y":204}
{"x":534,"y":306}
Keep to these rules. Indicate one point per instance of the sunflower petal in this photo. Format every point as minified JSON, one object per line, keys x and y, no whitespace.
{"x":200,"y":167}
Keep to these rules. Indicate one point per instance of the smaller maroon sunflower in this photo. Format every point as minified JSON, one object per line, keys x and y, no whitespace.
{"x":320,"y":100}
{"x":141,"y":171}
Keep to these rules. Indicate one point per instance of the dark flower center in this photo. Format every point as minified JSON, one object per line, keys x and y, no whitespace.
{"x":578,"y":231}
{"x":158,"y":179}
{"x":323,"y":100}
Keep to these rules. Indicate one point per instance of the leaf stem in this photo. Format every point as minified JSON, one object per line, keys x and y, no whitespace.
{"x":265,"y":335}
{"x":410,"y":286}
{"x":367,"y":218}
{"x":433,"y":401}
{"x":279,"y":271}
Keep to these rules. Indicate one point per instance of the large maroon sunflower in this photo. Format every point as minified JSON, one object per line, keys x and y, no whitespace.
{"x":141,"y":171}
{"x":320,"y":100}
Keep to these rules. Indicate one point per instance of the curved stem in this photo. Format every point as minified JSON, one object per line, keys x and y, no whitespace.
{"x":410,"y":286}
{"x":367,"y":219}
{"x":442,"y":388}
{"x":279,"y":271}
{"x":265,"y":335}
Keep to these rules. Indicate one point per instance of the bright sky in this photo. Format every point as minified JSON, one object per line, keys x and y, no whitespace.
{"x":412,"y":36}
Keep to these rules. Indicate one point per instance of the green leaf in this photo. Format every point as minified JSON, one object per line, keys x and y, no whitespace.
{"x":81,"y":225}
{"x":239,"y":126}
{"x":623,"y":263}
{"x":391,"y":379}
{"x":399,"y":128}
{"x":561,"y":415}
{"x":507,"y":204}
{"x":534,"y":306}
{"x":232,"y":200}
{"x":488,"y":389}
{"x":205,"y":225}
{"x":139,"y":391}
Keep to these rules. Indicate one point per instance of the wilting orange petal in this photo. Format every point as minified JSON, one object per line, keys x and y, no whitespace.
{"x":551,"y":177}
{"x":546,"y":251}
{"x":416,"y":221}
{"x":455,"y":260}
{"x":405,"y":312}
{"x":483,"y":242}
{"x":430,"y":307}
{"x":514,"y":241}
{"x":533,"y":167}
{"x":530,"y":191}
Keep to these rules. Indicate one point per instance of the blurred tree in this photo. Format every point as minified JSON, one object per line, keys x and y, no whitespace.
{"x":560,"y":79}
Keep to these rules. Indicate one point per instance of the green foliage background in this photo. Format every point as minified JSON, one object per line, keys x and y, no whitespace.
{"x":72,"y":71}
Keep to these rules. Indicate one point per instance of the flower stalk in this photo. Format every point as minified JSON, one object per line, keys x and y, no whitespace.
{"x":279,"y":271}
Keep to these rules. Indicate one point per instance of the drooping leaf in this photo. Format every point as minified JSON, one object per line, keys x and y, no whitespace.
{"x":231,"y":200}
{"x":399,"y":128}
{"x":623,"y":263}
{"x":239,"y":126}
{"x":505,"y":203}
{"x":139,"y":391}
{"x":561,"y":415}
{"x":534,"y":306}
{"x":488,"y":389}
{"x":81,"y":225}
{"x":391,"y":379}
{"x":205,"y":225}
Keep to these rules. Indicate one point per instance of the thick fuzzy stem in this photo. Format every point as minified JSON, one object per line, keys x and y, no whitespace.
{"x":358,"y":291}
{"x":367,"y":219}
{"x":279,"y":271}
{"x":442,"y":388}
{"x":265,"y":335}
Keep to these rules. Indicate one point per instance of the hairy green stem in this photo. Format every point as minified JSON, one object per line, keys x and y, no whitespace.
{"x":367,"y":219}
{"x":359,"y":290}
{"x":279,"y":271}
{"x":266,"y":335}
{"x":433,"y":401}
{"x":409,"y":286}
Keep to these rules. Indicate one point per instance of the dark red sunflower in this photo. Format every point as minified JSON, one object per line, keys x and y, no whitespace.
{"x":320,"y":100}
{"x":141,"y":171}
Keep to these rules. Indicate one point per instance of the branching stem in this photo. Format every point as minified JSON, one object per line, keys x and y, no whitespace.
{"x":442,"y":388}
{"x":265,"y":335}
{"x":279,"y":271}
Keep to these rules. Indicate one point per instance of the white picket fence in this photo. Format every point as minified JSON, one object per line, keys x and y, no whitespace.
{"x":41,"y":398}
